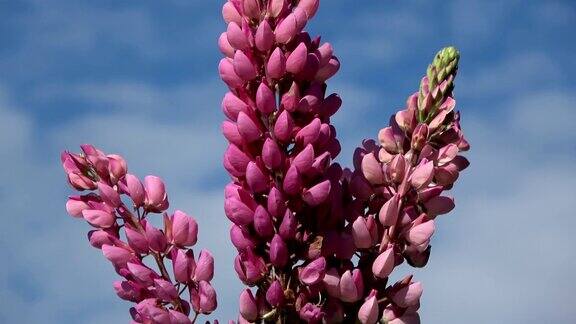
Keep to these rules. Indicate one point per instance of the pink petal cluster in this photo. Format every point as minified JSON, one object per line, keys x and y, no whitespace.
{"x":118,"y":207}
{"x":298,"y":217}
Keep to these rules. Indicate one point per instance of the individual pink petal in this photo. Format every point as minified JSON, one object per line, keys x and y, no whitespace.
{"x":247,"y":128}
{"x":286,"y":29}
{"x":243,"y":66}
{"x":297,"y":59}
{"x":99,"y":218}
{"x":278,"y":252}
{"x":276,"y":65}
{"x":204,"y":266}
{"x":248,"y":306}
{"x":314,"y":272}
{"x":388,"y":214}
{"x":265,"y":99}
{"x":272,"y":156}
{"x":230,"y":13}
{"x":372,"y":169}
{"x":384,"y":264}
{"x":264,"y":38}
{"x":283,"y":126}
{"x":368,"y":313}
{"x":236,"y":37}
{"x":317,"y":194}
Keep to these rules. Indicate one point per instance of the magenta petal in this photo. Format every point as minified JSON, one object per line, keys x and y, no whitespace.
{"x":421,"y":234}
{"x":265,"y":99}
{"x":309,"y":6}
{"x":247,"y":128}
{"x":309,"y":133}
{"x":409,"y":295}
{"x":232,"y":106}
{"x":243,"y":67}
{"x":297,"y":59}
{"x":384,"y":264}
{"x":422,"y":175}
{"x":368,"y":313}
{"x":230,"y":131}
{"x":286,"y":29}
{"x":224,"y":45}
{"x":389,"y":212}
{"x":283,"y":126}
{"x":99,"y":218}
{"x":230,"y":13}
{"x":276,"y":65}
{"x":275,"y":294}
{"x":236,"y":37}
{"x":204,"y":266}
{"x":317,"y":194}
{"x":314,"y":272}
{"x":303,"y":161}
{"x":263,"y":223}
{"x":278,"y":252}
{"x":361,"y":234}
{"x":135,"y":189}
{"x":439,"y":205}
{"x":238,"y":212}
{"x":264,"y":38}
{"x":248,"y":306}
{"x":256,"y":179}
{"x":328,"y":70}
{"x":292,"y":184}
{"x":272,"y":156}
{"x":372,"y":169}
{"x":227,"y":73}
{"x":109,"y":195}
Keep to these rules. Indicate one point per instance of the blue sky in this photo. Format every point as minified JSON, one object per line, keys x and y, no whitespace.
{"x":139,"y":78}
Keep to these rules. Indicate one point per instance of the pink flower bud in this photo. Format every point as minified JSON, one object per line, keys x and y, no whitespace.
{"x":264,"y":38}
{"x":275,"y":7}
{"x":80,"y":182}
{"x":247,"y":128}
{"x":156,"y":239}
{"x":351,"y":286}
{"x":368,"y":313}
{"x":227,"y":73}
{"x":76,"y":204}
{"x":423,"y":174}
{"x":387,"y":139}
{"x":384,"y":264}
{"x":309,"y":6}
{"x":292,"y":184}
{"x":204,"y":266}
{"x":238,"y":212}
{"x":276,"y":65}
{"x":178,"y":318}
{"x":362,"y":237}
{"x":249,"y":267}
{"x":156,"y":197}
{"x":286,"y":29}
{"x":243,"y":67}
{"x":276,"y":204}
{"x":275,"y":294}
{"x":297,"y":59}
{"x":301,"y":18}
{"x":311,"y":313}
{"x":421,"y":234}
{"x":183,"y":264}
{"x":116,"y":167}
{"x":230,"y":131}
{"x":388,"y":214}
{"x":325,"y":53}
{"x":119,"y":256}
{"x":278,"y":252}
{"x":288,"y":226}
{"x":447,"y":153}
{"x":97,"y":238}
{"x":309,"y":133}
{"x":224,"y":45}
{"x":439,"y":205}
{"x":232,"y":106}
{"x":248,"y":307}
{"x":272,"y":156}
{"x":332,"y":282}
{"x":235,"y":160}
{"x":135,"y":189}
{"x":256,"y":179}
{"x":317,"y":194}
{"x":252,"y":8}
{"x":265,"y":99}
{"x":372,"y":169}
{"x":397,"y":168}
{"x":241,"y":238}
{"x":291,"y":98}
{"x":328,"y":70}
{"x":230,"y":13}
{"x":283,"y":126}
{"x":408,"y":295}
{"x":109,"y":195}
{"x":165,"y":290}
{"x":184,"y":229}
{"x":419,"y":137}
{"x":99,"y":218}
{"x":303,"y":161}
{"x":314,"y":272}
{"x":142,"y":273}
{"x":236,"y":37}
{"x":129,"y":290}
{"x":207,"y":295}
{"x":136,"y":240}
{"x":263,"y":223}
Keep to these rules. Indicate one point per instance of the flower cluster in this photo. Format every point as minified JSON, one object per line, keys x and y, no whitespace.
{"x":119,"y":203}
{"x":396,"y":191}
{"x":285,"y":196}
{"x":319,"y":242}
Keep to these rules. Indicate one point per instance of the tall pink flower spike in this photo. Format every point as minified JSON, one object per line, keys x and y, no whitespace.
{"x":316,"y":243}
{"x":159,"y":296}
{"x":298,"y":217}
